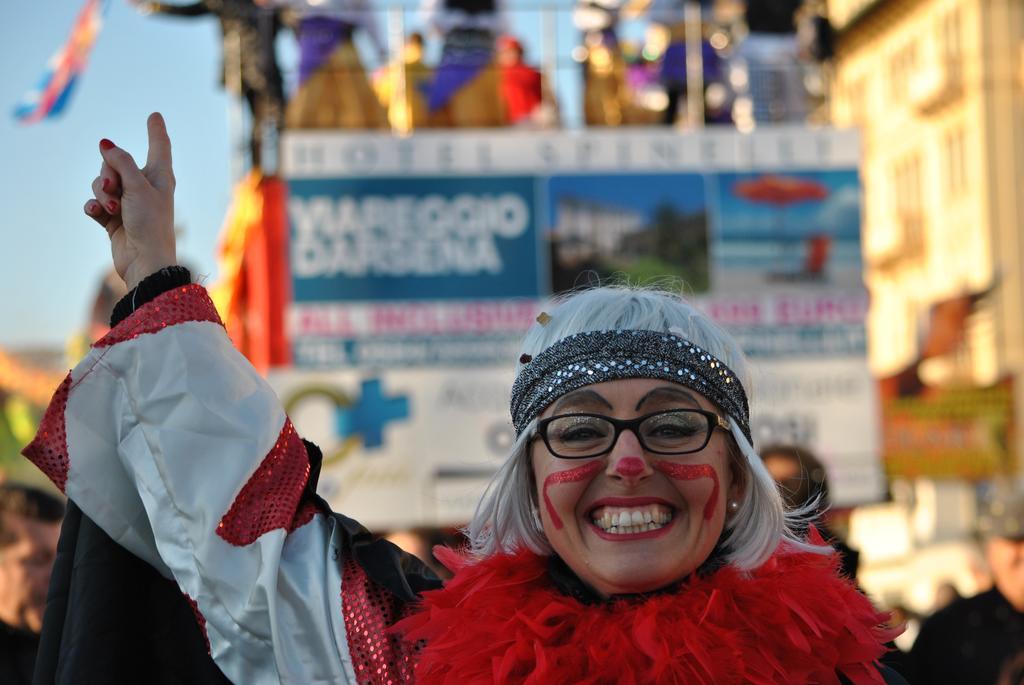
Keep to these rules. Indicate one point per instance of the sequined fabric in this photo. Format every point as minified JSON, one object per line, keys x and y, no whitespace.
{"x":200,"y":619}
{"x":598,"y":356}
{"x":187,"y":303}
{"x":304,"y":514}
{"x":270,"y":498}
{"x":49,"y":449}
{"x":378,"y":656}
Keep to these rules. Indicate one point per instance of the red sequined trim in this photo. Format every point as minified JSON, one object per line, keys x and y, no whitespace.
{"x":271,"y":497}
{"x":379,"y":657}
{"x":305,"y":514}
{"x":180,"y":305}
{"x":49,"y":449}
{"x":200,"y":619}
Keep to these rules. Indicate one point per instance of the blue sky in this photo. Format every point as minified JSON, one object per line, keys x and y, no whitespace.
{"x":54,"y":256}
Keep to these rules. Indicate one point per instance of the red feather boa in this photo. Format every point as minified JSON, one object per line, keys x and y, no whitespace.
{"x":791,"y":621}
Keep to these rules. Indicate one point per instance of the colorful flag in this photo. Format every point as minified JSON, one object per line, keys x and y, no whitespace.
{"x":254,"y":287}
{"x":54,"y":90}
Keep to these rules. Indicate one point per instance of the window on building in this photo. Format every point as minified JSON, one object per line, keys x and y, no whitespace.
{"x":954,"y":153}
{"x":950,"y":45}
{"x":908,"y":204}
{"x":856,"y":102}
{"x":902,"y":65}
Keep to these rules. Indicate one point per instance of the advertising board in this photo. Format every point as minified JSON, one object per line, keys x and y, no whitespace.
{"x":417,"y":264}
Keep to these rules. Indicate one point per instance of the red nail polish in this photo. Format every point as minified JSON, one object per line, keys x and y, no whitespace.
{"x":106,"y":144}
{"x":106,"y":184}
{"x":112,"y":207}
{"x":91,"y":208}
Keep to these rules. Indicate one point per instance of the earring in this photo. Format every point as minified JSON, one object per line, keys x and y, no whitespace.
{"x":733,"y":506}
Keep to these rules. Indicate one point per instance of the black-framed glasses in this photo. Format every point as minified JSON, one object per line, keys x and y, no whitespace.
{"x":673,"y":431}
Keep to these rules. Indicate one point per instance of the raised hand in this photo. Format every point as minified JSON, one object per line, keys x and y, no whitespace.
{"x":136,"y":206}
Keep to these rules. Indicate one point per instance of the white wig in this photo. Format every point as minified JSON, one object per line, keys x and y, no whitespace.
{"x":506,"y":518}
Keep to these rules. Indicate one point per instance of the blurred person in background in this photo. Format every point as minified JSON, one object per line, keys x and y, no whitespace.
{"x":110,"y":290}
{"x":249,"y":66}
{"x":605,"y":95}
{"x":29,"y":528}
{"x":421,"y":543}
{"x":465,"y":92}
{"x":816,"y":39}
{"x":971,"y":641}
{"x":643,"y":84}
{"x":945,"y":594}
{"x":522,"y":85}
{"x":1013,"y":671}
{"x":803,"y":481}
{"x":333,"y":90}
{"x":668,"y":17}
{"x":769,"y":58}
{"x":910,"y":623}
{"x":401,"y":87}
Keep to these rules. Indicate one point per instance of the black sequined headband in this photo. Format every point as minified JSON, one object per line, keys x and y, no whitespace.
{"x":597,"y":356}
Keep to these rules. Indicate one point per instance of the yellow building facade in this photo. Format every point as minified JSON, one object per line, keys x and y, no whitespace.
{"x":937,"y":89}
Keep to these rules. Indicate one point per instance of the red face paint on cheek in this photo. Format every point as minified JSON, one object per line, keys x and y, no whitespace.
{"x":585,"y":472}
{"x":693,"y":472}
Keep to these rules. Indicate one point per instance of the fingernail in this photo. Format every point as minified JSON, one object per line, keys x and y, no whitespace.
{"x":92,"y":208}
{"x":106,"y":144}
{"x":112,"y":207}
{"x":106,"y":184}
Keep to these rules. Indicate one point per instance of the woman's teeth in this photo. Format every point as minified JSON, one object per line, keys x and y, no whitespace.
{"x":623,"y":520}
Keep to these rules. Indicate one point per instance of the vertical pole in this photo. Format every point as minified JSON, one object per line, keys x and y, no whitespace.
{"x":236,"y":119}
{"x":269,"y":135}
{"x":549,"y":29}
{"x":694,"y":64}
{"x":396,"y":50}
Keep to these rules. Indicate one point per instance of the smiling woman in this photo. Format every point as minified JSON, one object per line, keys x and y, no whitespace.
{"x":647,"y":522}
{"x":632,"y":535}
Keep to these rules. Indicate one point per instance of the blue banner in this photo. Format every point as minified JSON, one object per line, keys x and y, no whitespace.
{"x":415,"y":238}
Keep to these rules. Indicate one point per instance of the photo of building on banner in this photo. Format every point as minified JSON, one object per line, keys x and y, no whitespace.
{"x":639,"y":227}
{"x":418,"y":264}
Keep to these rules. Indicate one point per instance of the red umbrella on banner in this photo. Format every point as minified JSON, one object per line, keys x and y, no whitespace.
{"x":781,"y":192}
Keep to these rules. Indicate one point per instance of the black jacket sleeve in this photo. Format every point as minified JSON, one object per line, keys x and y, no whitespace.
{"x":111,"y":618}
{"x":148,"y":288}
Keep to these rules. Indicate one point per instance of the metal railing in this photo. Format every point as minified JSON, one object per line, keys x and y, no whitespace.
{"x":750,"y":82}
